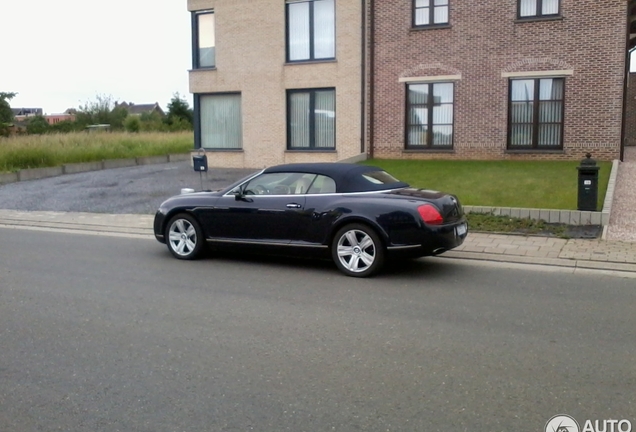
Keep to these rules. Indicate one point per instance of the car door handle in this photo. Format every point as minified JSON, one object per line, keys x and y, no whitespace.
{"x":293,"y":206}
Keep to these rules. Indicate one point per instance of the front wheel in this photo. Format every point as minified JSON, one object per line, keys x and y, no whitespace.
{"x":357,"y":250}
{"x":184,"y":237}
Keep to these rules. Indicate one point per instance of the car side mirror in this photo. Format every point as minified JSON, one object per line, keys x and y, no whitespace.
{"x":238,"y":195}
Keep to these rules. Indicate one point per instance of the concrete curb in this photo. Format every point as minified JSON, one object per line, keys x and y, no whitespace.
{"x":77,"y":168}
{"x":140,"y":225}
{"x":8,"y":178}
{"x":569,"y":217}
{"x":118,"y":163}
{"x":179,"y":157}
{"x":557,"y":262}
{"x":152,"y":160}
{"x":39,"y":173}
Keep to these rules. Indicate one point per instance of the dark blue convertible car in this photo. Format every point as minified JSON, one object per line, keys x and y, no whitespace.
{"x":358,"y":215}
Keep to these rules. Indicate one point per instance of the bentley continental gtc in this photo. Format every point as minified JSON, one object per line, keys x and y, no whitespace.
{"x":359,"y":216}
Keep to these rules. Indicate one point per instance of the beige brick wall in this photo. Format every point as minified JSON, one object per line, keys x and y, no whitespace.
{"x":250,"y":59}
{"x":483,"y":41}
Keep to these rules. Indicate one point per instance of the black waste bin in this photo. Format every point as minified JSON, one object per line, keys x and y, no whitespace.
{"x":588,"y":184}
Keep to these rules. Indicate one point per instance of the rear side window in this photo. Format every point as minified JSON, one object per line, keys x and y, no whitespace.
{"x":379,"y":177}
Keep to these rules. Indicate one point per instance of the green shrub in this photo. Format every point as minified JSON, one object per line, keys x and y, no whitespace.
{"x":132,"y":124}
{"x":37,"y":125}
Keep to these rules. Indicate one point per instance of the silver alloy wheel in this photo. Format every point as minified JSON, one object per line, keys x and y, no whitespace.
{"x":356,"y":250}
{"x":182,"y":237}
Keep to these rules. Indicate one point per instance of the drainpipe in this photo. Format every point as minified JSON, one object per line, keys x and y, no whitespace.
{"x":625,"y":81}
{"x":363,"y":79}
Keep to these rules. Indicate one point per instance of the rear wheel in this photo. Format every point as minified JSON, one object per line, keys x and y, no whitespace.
{"x":357,"y":250}
{"x":184,"y":237}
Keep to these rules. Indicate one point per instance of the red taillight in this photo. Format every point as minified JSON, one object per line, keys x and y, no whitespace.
{"x":430,"y":214}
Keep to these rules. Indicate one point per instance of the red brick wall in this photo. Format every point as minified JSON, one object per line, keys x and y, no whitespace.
{"x":483,"y":41}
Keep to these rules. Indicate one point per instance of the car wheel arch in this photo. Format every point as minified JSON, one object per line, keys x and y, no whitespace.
{"x":173,"y":212}
{"x":384,"y":238}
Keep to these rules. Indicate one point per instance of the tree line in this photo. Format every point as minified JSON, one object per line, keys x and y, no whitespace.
{"x":103,"y":110}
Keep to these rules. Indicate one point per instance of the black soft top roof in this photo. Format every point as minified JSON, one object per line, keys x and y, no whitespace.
{"x":348,"y":177}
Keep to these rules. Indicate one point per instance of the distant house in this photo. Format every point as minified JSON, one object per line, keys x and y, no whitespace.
{"x":139,"y":109}
{"x":26,"y":112}
{"x":21,"y":114}
{"x":56,"y":118}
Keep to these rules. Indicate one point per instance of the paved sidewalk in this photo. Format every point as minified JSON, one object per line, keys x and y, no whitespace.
{"x":590,"y":254}
{"x":121,"y":225}
{"x":622,"y":224}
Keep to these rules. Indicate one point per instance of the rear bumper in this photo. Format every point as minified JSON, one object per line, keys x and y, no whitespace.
{"x":434,"y":241}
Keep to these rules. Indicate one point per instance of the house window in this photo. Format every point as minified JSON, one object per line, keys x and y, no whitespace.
{"x":204,"y":55}
{"x":429,"y":118}
{"x":536,"y":114}
{"x":430,"y":12}
{"x":311,"y":30}
{"x":219,"y":121}
{"x":311,"y":119}
{"x":538,"y":8}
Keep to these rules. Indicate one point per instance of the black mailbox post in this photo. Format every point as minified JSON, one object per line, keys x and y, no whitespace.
{"x":200,"y":163}
{"x":588,"y":184}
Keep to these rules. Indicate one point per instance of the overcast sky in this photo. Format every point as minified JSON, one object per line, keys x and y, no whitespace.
{"x":61,"y":54}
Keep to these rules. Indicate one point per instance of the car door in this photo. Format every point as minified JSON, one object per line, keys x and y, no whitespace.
{"x":322,"y":207}
{"x":266,"y":209}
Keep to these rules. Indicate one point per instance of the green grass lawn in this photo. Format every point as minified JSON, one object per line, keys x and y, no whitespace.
{"x":528,"y":184}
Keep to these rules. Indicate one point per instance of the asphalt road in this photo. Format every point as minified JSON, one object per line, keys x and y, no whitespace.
{"x":134,"y":190}
{"x":112,"y":334}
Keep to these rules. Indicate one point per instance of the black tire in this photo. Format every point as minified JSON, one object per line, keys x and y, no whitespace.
{"x":184,"y":237}
{"x":357,"y":250}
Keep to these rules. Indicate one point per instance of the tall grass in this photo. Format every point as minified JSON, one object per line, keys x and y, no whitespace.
{"x":38,"y":151}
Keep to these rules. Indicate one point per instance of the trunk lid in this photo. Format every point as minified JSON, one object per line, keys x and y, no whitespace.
{"x":449,"y":206}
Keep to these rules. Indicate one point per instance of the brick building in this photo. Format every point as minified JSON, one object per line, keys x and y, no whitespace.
{"x":277,"y":81}
{"x":333,"y":80}
{"x":493,"y":79}
{"x":53,"y":119}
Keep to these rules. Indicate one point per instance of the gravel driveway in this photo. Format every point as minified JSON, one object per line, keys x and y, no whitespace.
{"x":134,"y":190}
